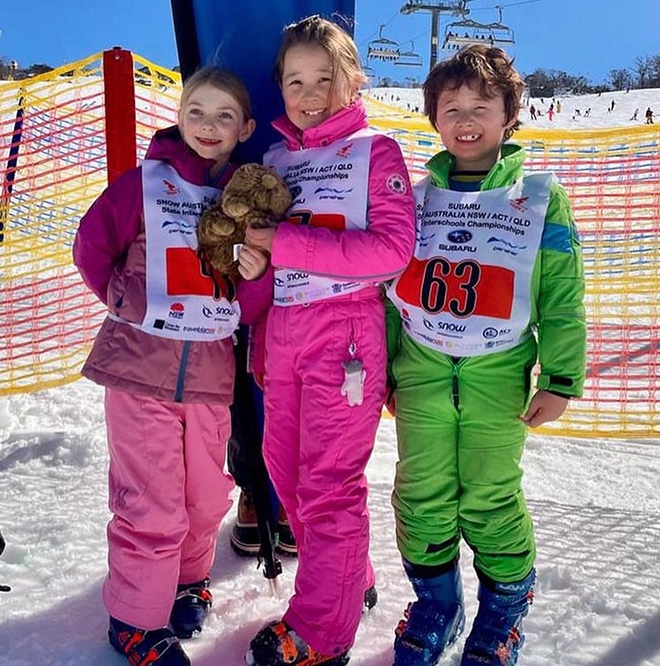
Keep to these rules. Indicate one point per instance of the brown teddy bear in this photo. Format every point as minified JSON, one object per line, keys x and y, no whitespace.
{"x":257,"y":196}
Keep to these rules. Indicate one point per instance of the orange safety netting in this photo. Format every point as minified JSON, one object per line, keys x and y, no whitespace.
{"x":53,"y":165}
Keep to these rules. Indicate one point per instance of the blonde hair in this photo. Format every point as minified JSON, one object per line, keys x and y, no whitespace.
{"x":336,"y":42}
{"x":487,"y":67}
{"x":222,"y":79}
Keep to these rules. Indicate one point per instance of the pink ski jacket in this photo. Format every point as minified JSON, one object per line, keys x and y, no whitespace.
{"x":110,"y":252}
{"x":374,"y":257}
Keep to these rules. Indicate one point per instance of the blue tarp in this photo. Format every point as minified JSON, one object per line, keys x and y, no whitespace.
{"x":244,"y":36}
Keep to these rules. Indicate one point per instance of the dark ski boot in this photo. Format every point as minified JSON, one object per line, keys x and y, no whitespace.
{"x":434,"y":621}
{"x":496,"y":637}
{"x":191,"y":608}
{"x":145,"y":647}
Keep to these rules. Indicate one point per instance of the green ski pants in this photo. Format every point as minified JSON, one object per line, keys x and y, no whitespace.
{"x":460,"y":442}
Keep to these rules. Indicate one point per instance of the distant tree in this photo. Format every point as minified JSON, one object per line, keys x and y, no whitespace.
{"x":40,"y":68}
{"x":621,"y":79}
{"x":642,"y":69}
{"x":654,"y":75}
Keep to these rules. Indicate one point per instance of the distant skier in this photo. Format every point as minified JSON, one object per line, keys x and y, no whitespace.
{"x":634,"y":115}
{"x":649,"y":116}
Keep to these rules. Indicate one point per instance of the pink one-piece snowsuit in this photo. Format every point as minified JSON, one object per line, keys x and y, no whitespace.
{"x":317,"y":445}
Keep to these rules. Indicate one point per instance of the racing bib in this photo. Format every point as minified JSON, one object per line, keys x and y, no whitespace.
{"x":467,"y":289}
{"x":186,"y":299}
{"x":329,"y":187}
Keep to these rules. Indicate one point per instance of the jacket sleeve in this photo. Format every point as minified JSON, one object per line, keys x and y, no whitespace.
{"x":106,"y":231}
{"x":378,"y":253}
{"x":255,"y":297}
{"x":561,"y":326}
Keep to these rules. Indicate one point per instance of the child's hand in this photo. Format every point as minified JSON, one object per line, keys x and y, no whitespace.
{"x":543,"y":408}
{"x":262,"y":238}
{"x":252,"y":263}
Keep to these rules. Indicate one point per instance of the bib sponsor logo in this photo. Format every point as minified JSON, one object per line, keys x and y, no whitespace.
{"x":459,"y":236}
{"x":170,"y":188}
{"x":177,"y":310}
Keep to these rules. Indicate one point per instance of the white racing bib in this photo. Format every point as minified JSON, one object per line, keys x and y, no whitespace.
{"x":186,"y":299}
{"x":467,"y":289}
{"x":330,"y":189}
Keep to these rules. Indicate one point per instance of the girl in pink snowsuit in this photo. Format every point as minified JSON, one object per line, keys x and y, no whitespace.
{"x":165,"y":356}
{"x":350,"y":227}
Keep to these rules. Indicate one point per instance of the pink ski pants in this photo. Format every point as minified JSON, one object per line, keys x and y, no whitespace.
{"x":168,"y":492}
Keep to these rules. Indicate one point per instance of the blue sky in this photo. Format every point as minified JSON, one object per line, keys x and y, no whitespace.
{"x":582,"y":37}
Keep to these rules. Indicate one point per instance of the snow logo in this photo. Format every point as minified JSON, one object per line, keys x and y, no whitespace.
{"x":332,"y":193}
{"x":518,"y":203}
{"x":170,"y":188}
{"x":424,"y":241}
{"x":179,"y":226}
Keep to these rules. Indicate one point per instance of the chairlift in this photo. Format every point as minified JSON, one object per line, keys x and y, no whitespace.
{"x":409,"y":58}
{"x":383,"y":48}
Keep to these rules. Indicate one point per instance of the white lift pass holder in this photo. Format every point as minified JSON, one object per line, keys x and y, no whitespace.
{"x":353,"y":386}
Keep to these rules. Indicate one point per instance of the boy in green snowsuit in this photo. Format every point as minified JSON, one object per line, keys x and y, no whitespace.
{"x":496,"y":285}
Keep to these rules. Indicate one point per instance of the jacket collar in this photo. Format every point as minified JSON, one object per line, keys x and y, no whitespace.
{"x":341,"y":124}
{"x":167,"y":145}
{"x":506,"y":170}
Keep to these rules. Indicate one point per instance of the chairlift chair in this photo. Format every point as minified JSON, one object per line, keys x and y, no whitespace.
{"x":383,"y":48}
{"x":409,"y":58}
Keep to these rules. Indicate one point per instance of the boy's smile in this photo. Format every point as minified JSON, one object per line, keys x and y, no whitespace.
{"x":472,"y":126}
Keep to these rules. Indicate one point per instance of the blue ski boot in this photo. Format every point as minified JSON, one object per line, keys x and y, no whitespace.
{"x":434,"y":621}
{"x":496,"y":637}
{"x":191,"y":607}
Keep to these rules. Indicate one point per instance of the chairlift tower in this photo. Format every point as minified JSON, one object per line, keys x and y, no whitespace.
{"x":436,"y":9}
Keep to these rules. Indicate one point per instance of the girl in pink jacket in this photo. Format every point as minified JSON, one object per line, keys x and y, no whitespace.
{"x":350,"y":227}
{"x":165,"y":355}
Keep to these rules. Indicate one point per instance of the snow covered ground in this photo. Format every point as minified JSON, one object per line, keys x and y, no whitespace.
{"x":596,"y":506}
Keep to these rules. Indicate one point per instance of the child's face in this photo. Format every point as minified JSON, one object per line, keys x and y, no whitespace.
{"x":211,"y":122}
{"x":307,"y":78}
{"x":472,"y":126}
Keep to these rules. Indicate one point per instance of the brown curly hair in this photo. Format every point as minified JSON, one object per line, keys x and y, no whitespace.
{"x":488,"y":68}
